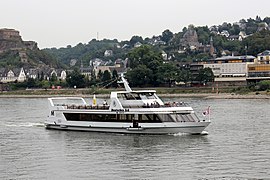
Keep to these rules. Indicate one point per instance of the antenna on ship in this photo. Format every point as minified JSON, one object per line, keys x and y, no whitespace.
{"x":124,"y":81}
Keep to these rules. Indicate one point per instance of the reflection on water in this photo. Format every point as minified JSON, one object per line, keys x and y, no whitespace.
{"x":237,"y":146}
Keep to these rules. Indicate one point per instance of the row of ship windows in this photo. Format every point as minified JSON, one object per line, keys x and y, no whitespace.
{"x":151,"y":118}
{"x":113,"y":117}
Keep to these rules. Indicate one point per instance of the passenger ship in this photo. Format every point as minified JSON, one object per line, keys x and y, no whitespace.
{"x":136,"y":112}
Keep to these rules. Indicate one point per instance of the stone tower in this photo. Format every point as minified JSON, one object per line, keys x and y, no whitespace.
{"x":212,"y":49}
{"x":190,"y":38}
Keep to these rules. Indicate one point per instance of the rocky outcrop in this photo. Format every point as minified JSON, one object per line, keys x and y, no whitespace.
{"x":10,"y":39}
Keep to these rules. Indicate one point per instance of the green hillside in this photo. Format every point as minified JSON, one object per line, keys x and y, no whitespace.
{"x":35,"y":58}
{"x":255,"y":40}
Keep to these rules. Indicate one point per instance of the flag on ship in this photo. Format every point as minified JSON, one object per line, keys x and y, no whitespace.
{"x":94,"y":100}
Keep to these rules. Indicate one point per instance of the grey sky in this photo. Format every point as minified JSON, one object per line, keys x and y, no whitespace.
{"x":58,"y":23}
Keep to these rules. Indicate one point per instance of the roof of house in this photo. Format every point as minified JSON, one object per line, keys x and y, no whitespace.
{"x":4,"y":71}
{"x":235,"y":57}
{"x":264,"y":53}
{"x":118,"y":69}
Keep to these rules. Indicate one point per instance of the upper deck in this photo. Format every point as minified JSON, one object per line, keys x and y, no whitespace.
{"x":128,"y":100}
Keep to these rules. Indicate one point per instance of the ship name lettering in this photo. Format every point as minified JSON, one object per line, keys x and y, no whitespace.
{"x":120,"y":110}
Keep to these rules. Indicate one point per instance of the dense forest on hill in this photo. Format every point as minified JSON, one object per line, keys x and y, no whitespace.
{"x":35,"y":58}
{"x":255,"y":32}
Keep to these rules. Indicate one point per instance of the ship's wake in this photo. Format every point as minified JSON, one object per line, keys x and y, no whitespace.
{"x":26,"y":124}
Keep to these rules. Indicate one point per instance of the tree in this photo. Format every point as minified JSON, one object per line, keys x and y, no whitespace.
{"x":114,"y":74}
{"x":263,"y":85}
{"x":106,"y":76}
{"x":114,"y":77}
{"x":144,"y":55}
{"x":75,"y":79}
{"x":203,"y":34}
{"x":44,"y":84}
{"x":139,"y":76}
{"x":258,"y":42}
{"x":31,"y":83}
{"x":267,"y":20}
{"x":147,"y":56}
{"x":235,"y":30}
{"x":136,"y":39}
{"x":93,"y":75}
{"x":184,"y":76}
{"x":205,"y":75}
{"x":53,"y":78}
{"x":167,"y":73}
{"x":100,"y":75}
{"x":167,"y":35}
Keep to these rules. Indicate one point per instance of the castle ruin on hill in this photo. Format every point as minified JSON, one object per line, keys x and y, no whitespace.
{"x":10,"y":39}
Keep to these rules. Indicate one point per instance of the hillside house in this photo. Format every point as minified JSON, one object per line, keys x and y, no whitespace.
{"x":108,"y":53}
{"x":264,"y":57}
{"x":12,"y":75}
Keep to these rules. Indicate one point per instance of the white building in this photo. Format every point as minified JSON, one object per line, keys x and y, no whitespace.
{"x":108,"y":53}
{"x":228,"y":69}
{"x":12,"y":75}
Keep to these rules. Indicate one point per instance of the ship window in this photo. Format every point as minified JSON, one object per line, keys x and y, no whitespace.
{"x":186,"y":117}
{"x":150,"y":96}
{"x":98,"y":117}
{"x":144,"y":118}
{"x":125,"y":117}
{"x":149,"y":118}
{"x":146,"y":95}
{"x":136,"y":96}
{"x":132,"y":96}
{"x":166,"y":118}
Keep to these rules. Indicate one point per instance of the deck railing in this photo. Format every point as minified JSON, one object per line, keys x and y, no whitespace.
{"x":102,"y":107}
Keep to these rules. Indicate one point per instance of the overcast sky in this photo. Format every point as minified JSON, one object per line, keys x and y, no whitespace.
{"x":58,"y":23}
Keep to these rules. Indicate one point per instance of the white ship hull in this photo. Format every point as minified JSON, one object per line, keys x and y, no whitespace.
{"x":126,"y":128}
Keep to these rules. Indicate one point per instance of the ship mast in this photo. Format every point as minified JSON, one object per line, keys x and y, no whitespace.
{"x":124,"y":81}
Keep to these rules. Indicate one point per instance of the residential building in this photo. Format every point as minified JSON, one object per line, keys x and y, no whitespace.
{"x":12,"y":75}
{"x":108,"y":53}
{"x":32,"y":73}
{"x":261,"y":69}
{"x":137,"y":44}
{"x":230,"y":66}
{"x":264,"y":57}
{"x":225,"y":33}
{"x":86,"y":71}
{"x":164,"y":55}
{"x":96,"y":62}
{"x":73,"y":62}
{"x":59,"y":73}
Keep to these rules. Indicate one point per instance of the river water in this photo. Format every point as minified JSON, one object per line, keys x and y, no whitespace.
{"x":237,"y":146}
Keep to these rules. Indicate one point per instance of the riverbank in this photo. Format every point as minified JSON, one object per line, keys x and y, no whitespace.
{"x":190,"y":95}
{"x":191,"y":92}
